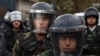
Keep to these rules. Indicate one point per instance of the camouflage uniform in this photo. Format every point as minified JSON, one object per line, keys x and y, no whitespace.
{"x":93,"y":41}
{"x":33,"y":47}
{"x":41,"y":16}
{"x":12,"y":39}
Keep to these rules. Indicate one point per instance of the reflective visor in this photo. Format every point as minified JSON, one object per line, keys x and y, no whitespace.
{"x":40,"y":22}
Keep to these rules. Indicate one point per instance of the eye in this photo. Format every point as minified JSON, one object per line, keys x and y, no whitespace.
{"x":45,"y":18}
{"x":63,"y":37}
{"x":71,"y":37}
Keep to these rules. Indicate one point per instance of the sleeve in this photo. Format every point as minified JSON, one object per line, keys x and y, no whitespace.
{"x":4,"y":51}
{"x":46,"y":53}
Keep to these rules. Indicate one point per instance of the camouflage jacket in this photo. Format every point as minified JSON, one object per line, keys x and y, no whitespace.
{"x":31,"y":46}
{"x":12,"y":38}
{"x":93,"y":40}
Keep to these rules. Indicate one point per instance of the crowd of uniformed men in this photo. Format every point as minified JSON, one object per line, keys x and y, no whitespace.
{"x":46,"y":34}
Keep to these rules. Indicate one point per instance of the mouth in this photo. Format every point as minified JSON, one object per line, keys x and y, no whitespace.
{"x":68,"y":50}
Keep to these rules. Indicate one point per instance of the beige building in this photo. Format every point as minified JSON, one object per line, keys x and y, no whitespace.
{"x":24,"y":6}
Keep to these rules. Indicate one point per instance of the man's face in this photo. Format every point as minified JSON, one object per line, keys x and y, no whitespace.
{"x":16,"y":24}
{"x":41,"y":23}
{"x":67,"y":43}
{"x":91,"y":20}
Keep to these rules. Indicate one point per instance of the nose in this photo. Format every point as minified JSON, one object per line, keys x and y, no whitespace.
{"x":40,"y":21}
{"x":67,"y":41}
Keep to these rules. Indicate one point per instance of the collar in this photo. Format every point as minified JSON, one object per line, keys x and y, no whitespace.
{"x":92,"y":28}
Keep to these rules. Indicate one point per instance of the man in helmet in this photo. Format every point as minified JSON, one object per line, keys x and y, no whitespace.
{"x":41,"y":15}
{"x":14,"y":33}
{"x":92,"y":31}
{"x":67,"y":36}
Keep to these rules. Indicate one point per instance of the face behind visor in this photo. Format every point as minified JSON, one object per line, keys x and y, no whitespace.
{"x":15,"y":18}
{"x":41,"y":15}
{"x":67,"y":35}
{"x":41,"y":23}
{"x":91,"y":12}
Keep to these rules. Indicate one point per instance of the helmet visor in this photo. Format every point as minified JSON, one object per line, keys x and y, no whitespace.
{"x":40,"y":22}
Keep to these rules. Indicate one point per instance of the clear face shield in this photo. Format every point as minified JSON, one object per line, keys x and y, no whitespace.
{"x":66,"y":44}
{"x":40,"y":22}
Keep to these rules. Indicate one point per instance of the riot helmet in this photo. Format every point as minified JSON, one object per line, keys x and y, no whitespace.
{"x":15,"y":16}
{"x":66,"y":34}
{"x":91,"y":11}
{"x":41,"y":15}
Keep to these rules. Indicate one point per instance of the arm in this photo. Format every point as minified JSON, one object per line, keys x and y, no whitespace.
{"x":4,"y":50}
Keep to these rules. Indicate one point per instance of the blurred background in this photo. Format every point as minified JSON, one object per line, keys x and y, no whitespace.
{"x":61,"y":6}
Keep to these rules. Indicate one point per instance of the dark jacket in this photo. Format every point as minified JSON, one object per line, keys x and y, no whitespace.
{"x":12,"y":38}
{"x":3,"y":43}
{"x":3,"y":47}
{"x":93,"y":41}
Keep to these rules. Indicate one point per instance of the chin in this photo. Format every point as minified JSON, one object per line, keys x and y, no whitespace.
{"x":68,"y":51}
{"x":16,"y":27}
